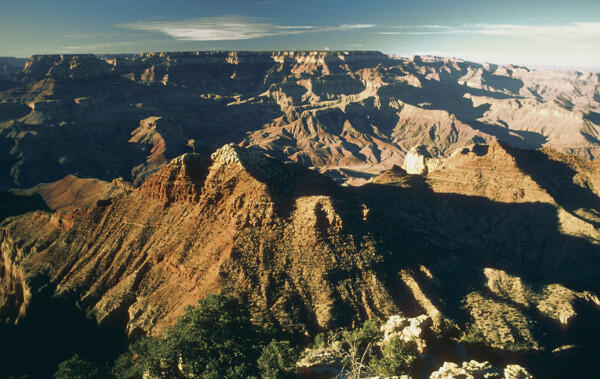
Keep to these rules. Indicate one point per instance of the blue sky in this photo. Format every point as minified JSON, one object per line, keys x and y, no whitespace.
{"x":530,"y":32}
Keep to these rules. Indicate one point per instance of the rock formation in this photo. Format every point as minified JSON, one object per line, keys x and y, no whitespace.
{"x":352,"y":115}
{"x":408,"y":329}
{"x":418,"y":161}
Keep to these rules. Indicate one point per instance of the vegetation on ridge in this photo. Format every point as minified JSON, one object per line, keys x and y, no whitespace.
{"x":216,"y":339}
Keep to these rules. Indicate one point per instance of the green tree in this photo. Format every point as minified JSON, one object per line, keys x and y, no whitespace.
{"x":77,"y":368}
{"x":144,"y":355}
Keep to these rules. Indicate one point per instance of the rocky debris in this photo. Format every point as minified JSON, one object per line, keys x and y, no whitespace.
{"x":516,"y":372}
{"x":328,"y":361}
{"x":479,"y":370}
{"x":408,"y":329}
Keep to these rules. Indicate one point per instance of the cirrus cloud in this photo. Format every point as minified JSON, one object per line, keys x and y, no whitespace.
{"x":230,"y":28}
{"x":574,"y":30}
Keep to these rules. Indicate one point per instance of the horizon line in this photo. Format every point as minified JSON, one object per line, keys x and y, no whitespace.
{"x":541,"y":67}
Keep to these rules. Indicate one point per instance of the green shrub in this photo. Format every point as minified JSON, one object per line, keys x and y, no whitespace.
{"x":473,"y":335}
{"x":326,"y":339}
{"x":398,"y":358}
{"x":278,"y":360}
{"x":369,"y":332}
{"x":355,"y":348}
{"x":77,"y":368}
{"x":447,"y":329}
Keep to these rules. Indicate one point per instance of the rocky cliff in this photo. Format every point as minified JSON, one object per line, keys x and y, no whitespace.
{"x":351,"y":114}
{"x":489,"y":240}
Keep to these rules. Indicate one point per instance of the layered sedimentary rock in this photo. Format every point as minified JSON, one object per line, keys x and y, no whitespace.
{"x":351,"y":114}
{"x":488,"y":240}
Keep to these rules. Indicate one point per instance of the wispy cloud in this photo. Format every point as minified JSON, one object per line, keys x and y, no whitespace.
{"x":423,"y":27}
{"x":98,"y":46}
{"x":296,"y":27}
{"x":539,"y":32}
{"x":573,"y":30}
{"x":355,"y":26}
{"x":229,"y":28}
{"x":102,"y":35}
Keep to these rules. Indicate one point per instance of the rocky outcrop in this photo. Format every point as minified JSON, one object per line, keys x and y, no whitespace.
{"x":85,"y":66}
{"x":408,"y":329}
{"x":332,"y":359}
{"x":419,"y":162}
{"x":321,"y":362}
{"x":180,"y":180}
{"x":248,"y":159}
{"x":476,"y":370}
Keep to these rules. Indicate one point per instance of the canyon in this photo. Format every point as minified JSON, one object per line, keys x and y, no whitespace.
{"x":350,"y":114}
{"x":321,"y":188}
